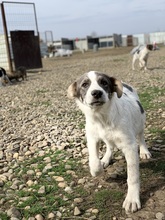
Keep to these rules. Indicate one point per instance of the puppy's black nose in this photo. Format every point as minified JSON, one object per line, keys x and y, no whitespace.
{"x":96,"y":94}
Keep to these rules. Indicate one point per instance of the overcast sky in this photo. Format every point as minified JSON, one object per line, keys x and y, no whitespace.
{"x":79,"y":18}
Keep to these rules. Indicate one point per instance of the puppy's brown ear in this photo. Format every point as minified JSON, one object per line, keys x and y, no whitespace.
{"x":117,"y":86}
{"x":149,"y":46}
{"x":72,"y":90}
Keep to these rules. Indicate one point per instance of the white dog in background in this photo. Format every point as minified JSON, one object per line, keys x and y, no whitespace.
{"x":141,"y":53}
{"x":63,"y":52}
{"x":114,"y":115}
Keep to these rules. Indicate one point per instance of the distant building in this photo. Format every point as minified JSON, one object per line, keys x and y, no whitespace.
{"x":136,"y":39}
{"x":89,"y":42}
{"x":110,"y":41}
{"x":158,"y":37}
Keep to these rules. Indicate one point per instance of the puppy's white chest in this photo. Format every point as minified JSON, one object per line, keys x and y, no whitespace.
{"x":102,"y":131}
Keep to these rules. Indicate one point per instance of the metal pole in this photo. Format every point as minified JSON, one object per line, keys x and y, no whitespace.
{"x":35,"y":14}
{"x":6,"y":38}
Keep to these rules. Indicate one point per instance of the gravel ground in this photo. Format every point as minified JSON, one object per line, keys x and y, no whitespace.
{"x":36,"y":115}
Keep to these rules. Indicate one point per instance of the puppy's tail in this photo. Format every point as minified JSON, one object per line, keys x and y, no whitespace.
{"x":136,"y":49}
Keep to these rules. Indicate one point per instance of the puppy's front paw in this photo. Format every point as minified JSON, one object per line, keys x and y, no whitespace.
{"x":96,"y":167}
{"x":131,"y":204}
{"x":145,"y":154}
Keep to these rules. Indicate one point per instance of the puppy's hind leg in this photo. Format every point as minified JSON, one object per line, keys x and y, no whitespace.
{"x":142,"y":64}
{"x":133,"y":62}
{"x":144,"y":152}
{"x":145,"y":65}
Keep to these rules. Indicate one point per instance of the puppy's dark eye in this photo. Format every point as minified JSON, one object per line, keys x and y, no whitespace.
{"x":104,"y":82}
{"x":85,"y":84}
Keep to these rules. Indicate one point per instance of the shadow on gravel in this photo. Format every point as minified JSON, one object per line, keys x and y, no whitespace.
{"x":153,"y":170}
{"x":15,"y":82}
{"x":37,"y":70}
{"x":156,"y":68}
{"x":153,"y":175}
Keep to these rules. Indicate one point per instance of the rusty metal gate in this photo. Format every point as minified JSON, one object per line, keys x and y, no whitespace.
{"x":20,"y":35}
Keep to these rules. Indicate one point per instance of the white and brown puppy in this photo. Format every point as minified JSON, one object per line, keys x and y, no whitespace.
{"x":114,"y":115}
{"x":3,"y":77}
{"x":141,"y":53}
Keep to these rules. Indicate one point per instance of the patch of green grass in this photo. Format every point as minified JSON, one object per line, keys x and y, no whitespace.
{"x":43,"y":204}
{"x":46,"y":103}
{"x":42,"y":91}
{"x":158,"y":167}
{"x":15,"y":110}
{"x":158,"y":133}
{"x":153,"y":168}
{"x":52,"y":198}
{"x":118,"y":60}
{"x":3,"y":216}
{"x":162,"y":58}
{"x":146,"y":99}
{"x":109,"y":203}
{"x":149,"y":96}
{"x":103,"y":196}
{"x":81,"y":125}
{"x":81,"y":191}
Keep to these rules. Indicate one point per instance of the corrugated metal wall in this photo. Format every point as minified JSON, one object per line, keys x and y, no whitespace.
{"x":158,"y":37}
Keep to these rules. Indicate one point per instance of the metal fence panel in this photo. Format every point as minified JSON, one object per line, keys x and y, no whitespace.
{"x":19,"y":16}
{"x":25,"y":45}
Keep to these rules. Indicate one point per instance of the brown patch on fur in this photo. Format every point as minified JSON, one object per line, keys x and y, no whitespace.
{"x":72,"y":91}
{"x":149,"y":46}
{"x":117,"y":86}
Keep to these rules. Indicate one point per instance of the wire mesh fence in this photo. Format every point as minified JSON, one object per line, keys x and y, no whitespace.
{"x":3,"y":49}
{"x":20,"y":16}
{"x":14,"y":16}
